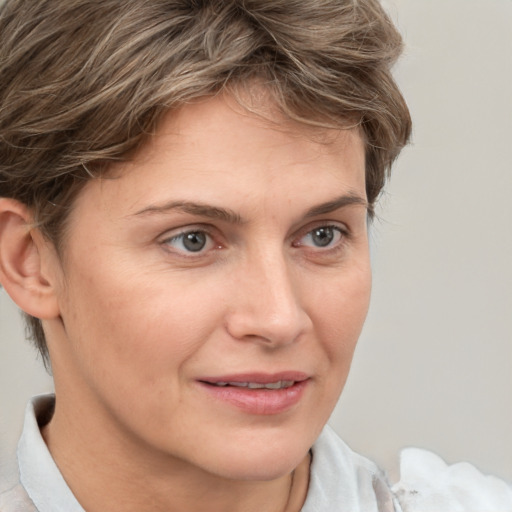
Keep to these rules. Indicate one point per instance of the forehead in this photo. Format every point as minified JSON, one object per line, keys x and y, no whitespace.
{"x":222,"y":127}
{"x":217,"y":150}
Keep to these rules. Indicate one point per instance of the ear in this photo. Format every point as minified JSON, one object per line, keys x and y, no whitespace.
{"x":27,"y":262}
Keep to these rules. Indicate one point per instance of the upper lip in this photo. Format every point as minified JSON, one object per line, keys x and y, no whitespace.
{"x":258,"y":377}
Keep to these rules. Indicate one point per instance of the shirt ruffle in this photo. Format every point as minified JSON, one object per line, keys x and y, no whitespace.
{"x":428,"y":484}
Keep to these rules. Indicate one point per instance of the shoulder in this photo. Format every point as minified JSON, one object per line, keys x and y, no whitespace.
{"x":427,"y":483}
{"x":13,"y":497}
{"x":16,"y":500}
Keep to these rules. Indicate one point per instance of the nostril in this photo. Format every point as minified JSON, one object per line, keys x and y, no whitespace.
{"x":245,"y":326}
{"x":266,"y":306}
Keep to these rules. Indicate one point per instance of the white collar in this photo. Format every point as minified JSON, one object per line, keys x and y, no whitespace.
{"x":341,"y":479}
{"x":39,"y":474}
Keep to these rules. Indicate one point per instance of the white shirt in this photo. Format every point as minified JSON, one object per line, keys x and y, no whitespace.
{"x":340,"y":480}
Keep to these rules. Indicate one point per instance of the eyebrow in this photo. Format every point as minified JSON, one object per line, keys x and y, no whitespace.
{"x":336,"y":204}
{"x":192,"y":208}
{"x":229,"y":216}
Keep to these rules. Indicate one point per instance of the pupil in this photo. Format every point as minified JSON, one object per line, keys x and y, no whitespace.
{"x":323,"y":236}
{"x":194,"y":241}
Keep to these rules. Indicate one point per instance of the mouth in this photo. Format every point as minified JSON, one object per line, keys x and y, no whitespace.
{"x":258,"y":394}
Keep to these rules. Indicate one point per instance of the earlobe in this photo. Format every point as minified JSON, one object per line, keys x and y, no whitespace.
{"x":23,"y":260}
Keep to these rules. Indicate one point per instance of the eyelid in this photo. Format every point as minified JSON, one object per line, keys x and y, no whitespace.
{"x":185,"y":228}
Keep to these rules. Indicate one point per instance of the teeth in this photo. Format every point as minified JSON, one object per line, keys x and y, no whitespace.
{"x":280,"y":384}
{"x":273,"y":385}
{"x":254,"y":385}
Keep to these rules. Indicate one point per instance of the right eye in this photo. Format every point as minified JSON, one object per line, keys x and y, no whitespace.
{"x":193,"y":241}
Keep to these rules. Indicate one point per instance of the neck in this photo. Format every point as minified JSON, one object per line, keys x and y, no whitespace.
{"x":112,"y":473}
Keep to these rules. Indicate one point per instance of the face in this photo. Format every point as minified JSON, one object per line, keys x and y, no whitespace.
{"x":214,"y":290}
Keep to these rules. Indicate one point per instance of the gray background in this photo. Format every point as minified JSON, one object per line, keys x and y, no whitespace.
{"x":434,"y":364}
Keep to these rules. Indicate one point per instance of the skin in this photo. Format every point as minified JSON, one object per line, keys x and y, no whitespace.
{"x":139,"y":320}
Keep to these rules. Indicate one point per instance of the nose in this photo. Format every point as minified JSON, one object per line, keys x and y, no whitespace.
{"x":268,"y":304}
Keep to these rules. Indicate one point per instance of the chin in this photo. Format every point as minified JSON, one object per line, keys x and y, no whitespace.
{"x":272,"y":468}
{"x":261,"y":460}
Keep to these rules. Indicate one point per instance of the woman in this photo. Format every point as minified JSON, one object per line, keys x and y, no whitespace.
{"x":185,"y":194}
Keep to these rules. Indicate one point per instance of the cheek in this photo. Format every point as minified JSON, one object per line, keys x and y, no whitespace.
{"x":137,"y":322}
{"x":340,"y":312}
{"x":339,"y":308}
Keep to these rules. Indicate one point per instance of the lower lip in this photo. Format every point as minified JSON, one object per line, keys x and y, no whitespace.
{"x":258,"y":401}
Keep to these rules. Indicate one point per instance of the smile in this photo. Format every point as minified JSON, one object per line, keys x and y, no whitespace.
{"x":258,"y":393}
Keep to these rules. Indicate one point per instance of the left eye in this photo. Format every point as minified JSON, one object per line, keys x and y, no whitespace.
{"x":323,"y":236}
{"x":190,"y":241}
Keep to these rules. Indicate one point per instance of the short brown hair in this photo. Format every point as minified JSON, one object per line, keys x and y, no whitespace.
{"x":85,"y":82}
